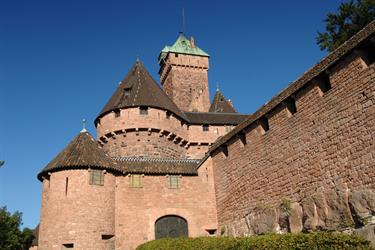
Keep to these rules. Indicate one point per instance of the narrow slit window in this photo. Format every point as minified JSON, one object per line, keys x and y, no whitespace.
{"x":66,"y":186}
{"x":205,"y":128}
{"x":143,"y":110}
{"x":96,"y":177}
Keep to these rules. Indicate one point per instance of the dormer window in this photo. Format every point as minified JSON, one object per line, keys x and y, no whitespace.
{"x":126,"y":92}
{"x":143,"y":110}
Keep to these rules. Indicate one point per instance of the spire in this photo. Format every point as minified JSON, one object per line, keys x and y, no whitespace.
{"x":220,"y":104}
{"x":83,"y":126}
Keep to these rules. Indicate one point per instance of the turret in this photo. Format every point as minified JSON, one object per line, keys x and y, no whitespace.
{"x":184,"y":75}
{"x":78,"y":198}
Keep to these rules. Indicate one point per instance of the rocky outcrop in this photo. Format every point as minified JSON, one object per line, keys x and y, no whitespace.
{"x":326,"y":210}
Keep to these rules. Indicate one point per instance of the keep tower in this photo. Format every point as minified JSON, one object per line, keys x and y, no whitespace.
{"x":184,"y":75}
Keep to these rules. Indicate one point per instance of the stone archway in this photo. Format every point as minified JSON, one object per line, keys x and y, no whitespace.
{"x":171,"y":226}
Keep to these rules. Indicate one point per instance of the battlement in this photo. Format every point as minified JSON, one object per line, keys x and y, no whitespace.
{"x":316,"y":133}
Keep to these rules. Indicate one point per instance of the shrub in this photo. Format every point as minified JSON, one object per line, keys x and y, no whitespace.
{"x":310,"y":241}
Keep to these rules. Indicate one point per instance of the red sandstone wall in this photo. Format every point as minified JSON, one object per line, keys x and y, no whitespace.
{"x":185,"y":80}
{"x":153,"y":135}
{"x":81,"y":216}
{"x":137,"y":209}
{"x":330,"y":140}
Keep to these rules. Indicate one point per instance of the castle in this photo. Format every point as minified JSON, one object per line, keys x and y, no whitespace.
{"x":166,"y":162}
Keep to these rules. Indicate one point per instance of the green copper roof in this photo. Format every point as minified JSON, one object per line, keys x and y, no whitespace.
{"x":182,"y":46}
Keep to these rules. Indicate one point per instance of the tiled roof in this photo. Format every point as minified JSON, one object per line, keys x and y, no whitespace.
{"x":212,"y":118}
{"x":220,"y":104}
{"x":139,"y":165}
{"x":313,"y":72}
{"x":82,"y":152}
{"x":139,"y":89}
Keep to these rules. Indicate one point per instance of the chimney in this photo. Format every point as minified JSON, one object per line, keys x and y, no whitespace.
{"x":192,"y":43}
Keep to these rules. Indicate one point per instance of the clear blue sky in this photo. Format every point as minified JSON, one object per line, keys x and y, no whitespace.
{"x":60,"y":61}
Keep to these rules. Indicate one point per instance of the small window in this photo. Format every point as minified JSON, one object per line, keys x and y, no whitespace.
{"x":290,"y":104}
{"x":117,"y":113}
{"x":136,"y":181}
{"x":324,"y":83}
{"x":143,"y":110}
{"x":206,"y":128}
{"x":107,"y":236}
{"x":126,"y":92}
{"x":168,"y":115}
{"x":66,"y":186}
{"x":96,"y":177}
{"x":68,"y":245}
{"x":174,"y":181}
{"x":263,"y":122}
{"x":175,"y":54}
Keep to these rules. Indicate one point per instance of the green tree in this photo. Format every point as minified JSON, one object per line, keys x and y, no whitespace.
{"x":351,"y":18}
{"x":11,"y":237}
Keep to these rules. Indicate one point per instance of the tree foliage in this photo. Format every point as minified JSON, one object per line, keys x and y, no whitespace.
{"x":11,"y":237}
{"x":351,"y":17}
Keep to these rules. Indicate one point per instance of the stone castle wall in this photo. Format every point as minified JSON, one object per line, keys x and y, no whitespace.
{"x":75,"y":212}
{"x":328,"y":142}
{"x":137,"y":209}
{"x":154,"y":135}
{"x":185,"y":81}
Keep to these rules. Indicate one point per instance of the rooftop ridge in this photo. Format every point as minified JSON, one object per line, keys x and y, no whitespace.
{"x":146,"y":159}
{"x":306,"y":77}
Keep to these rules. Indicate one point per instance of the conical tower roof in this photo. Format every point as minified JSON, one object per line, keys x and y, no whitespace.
{"x":139,"y":89}
{"x":82,"y":152}
{"x":220,"y":104}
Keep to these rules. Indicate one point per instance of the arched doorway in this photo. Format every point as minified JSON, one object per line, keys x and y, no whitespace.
{"x":171,"y":226}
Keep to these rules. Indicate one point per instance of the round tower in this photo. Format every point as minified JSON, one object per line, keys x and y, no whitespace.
{"x":78,"y":198}
{"x":140,"y":120}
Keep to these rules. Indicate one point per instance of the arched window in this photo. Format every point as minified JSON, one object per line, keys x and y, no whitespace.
{"x":171,"y":226}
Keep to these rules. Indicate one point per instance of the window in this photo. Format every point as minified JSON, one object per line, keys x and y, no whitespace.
{"x":107,"y":236}
{"x":143,"y":110}
{"x":175,"y":54}
{"x":66,"y":186}
{"x":205,"y":128}
{"x":290,"y":104}
{"x":135,"y":181}
{"x":96,"y":177}
{"x":68,"y":245}
{"x":174,"y":181}
{"x":117,"y":113}
{"x":168,"y":115}
{"x":126,"y":92}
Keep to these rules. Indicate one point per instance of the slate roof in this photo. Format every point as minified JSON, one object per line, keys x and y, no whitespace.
{"x":182,"y":46}
{"x":139,"y":89}
{"x":212,"y":118}
{"x":220,"y":104}
{"x":139,"y":165}
{"x":82,"y":152}
{"x":333,"y":57}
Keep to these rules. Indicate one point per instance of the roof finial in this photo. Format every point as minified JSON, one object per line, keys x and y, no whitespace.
{"x":138,"y":59}
{"x":217,"y":88}
{"x":83,"y":126}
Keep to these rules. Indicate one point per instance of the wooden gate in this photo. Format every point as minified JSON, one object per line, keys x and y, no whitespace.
{"x":171,"y":226}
